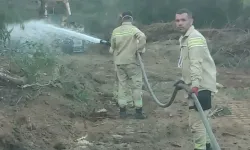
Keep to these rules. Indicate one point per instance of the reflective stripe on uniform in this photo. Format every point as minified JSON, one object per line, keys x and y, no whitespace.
{"x":194,"y":42}
{"x":124,"y":33}
{"x":200,"y":139}
{"x":199,"y":146}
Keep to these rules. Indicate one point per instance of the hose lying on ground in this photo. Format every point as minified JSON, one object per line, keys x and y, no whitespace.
{"x":150,"y":89}
{"x":185,"y":87}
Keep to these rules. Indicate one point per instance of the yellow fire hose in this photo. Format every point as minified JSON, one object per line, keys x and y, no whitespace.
{"x":185,"y":87}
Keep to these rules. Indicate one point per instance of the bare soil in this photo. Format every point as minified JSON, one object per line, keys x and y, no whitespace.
{"x":46,"y":119}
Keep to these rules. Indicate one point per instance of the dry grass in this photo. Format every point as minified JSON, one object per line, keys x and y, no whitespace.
{"x":160,"y":31}
{"x":231,"y":48}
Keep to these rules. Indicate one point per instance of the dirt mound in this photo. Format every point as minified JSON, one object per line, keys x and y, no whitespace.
{"x":168,"y":31}
{"x":40,"y":113}
{"x":160,"y":31}
{"x":230,"y":47}
{"x":238,"y":45}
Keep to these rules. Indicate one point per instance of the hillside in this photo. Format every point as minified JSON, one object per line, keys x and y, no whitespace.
{"x":52,"y":100}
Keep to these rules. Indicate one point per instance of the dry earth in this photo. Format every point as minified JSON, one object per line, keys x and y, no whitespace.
{"x":47,"y":119}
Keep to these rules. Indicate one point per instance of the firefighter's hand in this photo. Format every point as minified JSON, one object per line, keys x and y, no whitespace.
{"x":195,"y":90}
{"x":108,"y":43}
{"x":178,"y":82}
{"x":140,"y":53}
{"x":111,"y":51}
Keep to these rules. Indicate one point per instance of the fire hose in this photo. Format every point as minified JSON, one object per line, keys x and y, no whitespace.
{"x":178,"y":87}
{"x":185,"y":87}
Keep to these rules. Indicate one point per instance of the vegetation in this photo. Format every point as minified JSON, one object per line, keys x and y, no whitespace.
{"x":97,"y":14}
{"x":52,"y":95}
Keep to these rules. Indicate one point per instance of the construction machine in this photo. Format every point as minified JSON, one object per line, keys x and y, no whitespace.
{"x":72,"y":44}
{"x":57,"y":12}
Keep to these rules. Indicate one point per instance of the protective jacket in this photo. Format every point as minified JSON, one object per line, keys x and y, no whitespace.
{"x":198,"y":67}
{"x":126,"y":40}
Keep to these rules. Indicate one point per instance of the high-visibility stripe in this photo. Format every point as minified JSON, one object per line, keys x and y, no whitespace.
{"x":200,"y":140}
{"x":124,"y":33}
{"x":195,"y":46}
{"x":199,"y":146}
{"x":194,"y":42}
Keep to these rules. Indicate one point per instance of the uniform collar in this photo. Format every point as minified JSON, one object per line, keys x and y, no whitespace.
{"x":189,"y":31}
{"x":127,"y":23}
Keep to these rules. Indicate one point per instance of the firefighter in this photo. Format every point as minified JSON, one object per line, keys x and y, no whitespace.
{"x":198,"y":71}
{"x":115,"y":90}
{"x":130,"y":102}
{"x":126,"y":41}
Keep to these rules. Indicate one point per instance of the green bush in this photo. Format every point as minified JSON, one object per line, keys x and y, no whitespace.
{"x":32,"y":64}
{"x":97,"y":15}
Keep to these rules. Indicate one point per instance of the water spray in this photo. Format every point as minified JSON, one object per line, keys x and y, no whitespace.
{"x":40,"y":31}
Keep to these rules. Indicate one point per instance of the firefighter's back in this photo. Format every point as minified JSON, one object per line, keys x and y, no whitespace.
{"x":125,"y":43}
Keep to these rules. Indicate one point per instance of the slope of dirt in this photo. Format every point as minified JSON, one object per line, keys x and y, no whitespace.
{"x":50,"y":120}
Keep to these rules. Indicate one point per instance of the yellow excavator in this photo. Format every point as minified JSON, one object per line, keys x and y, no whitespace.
{"x":55,"y":10}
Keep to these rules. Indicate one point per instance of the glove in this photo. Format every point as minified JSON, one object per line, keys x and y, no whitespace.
{"x":178,"y":82}
{"x":195,"y":90}
{"x":141,"y":54}
{"x":142,"y":50}
{"x":111,"y":50}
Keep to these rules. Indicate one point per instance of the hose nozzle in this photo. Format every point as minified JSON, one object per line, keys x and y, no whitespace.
{"x":105,"y":42}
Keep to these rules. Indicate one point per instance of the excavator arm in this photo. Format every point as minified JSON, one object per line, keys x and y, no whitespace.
{"x":45,"y":4}
{"x":67,"y":5}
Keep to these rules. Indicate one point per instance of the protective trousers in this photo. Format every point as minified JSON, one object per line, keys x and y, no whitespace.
{"x":198,"y":130}
{"x":129,"y":85}
{"x":130,"y":101}
{"x":115,"y":89}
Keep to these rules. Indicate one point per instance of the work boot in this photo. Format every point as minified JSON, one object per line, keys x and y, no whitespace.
{"x":208,"y":146}
{"x":123,"y":113}
{"x":139,"y":114}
